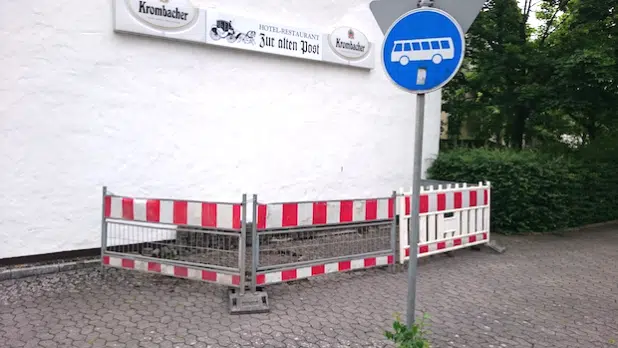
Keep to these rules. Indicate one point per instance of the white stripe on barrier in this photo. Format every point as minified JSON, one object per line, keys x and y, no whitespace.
{"x":139,"y":209}
{"x":167,"y":212}
{"x":305,"y":214}
{"x":194,"y":213}
{"x":116,"y":209}
{"x":358,"y":211}
{"x":333,"y":210}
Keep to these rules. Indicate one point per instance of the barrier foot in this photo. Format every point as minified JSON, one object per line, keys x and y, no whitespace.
{"x":249,"y":302}
{"x":496,"y":247}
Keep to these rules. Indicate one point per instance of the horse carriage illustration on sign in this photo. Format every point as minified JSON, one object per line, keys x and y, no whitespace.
{"x":225,"y":30}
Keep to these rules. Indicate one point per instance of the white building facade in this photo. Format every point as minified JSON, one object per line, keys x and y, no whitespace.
{"x":303,"y":112}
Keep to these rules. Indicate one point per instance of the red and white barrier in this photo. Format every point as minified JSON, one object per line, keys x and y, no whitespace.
{"x":197,"y":214}
{"x":177,"y":271}
{"x":451,"y":218}
{"x":355,"y":234}
{"x":306,"y":214}
{"x":359,"y":227}
{"x":292,"y":274}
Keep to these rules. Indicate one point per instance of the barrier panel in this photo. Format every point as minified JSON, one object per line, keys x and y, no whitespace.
{"x":298,"y":240}
{"x":196,"y":240}
{"x":207,"y":241}
{"x":451,"y":218}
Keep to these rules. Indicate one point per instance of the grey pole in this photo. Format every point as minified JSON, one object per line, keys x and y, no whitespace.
{"x":103,"y":229}
{"x":242,"y":245}
{"x":414,"y":203}
{"x":255,"y":246}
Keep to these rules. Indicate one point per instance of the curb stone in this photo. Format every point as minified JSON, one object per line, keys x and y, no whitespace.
{"x":18,"y":273}
{"x":587,"y":227}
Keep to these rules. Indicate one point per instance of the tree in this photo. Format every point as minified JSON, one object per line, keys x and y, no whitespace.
{"x":584,"y":51}
{"x":491,"y":91}
{"x":522,"y":85}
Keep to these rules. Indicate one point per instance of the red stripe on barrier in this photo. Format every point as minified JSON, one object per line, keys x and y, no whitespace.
{"x":391,"y":208}
{"x":235,"y":280}
{"x":209,"y":215}
{"x":127,"y":208}
{"x":423,"y":249}
{"x":390,"y":259}
{"x":181,"y":271}
{"x":473,"y":200}
{"x":346,"y":211}
{"x":458,"y":198}
{"x":407,"y":251}
{"x":289,"y":274}
{"x":371,"y":209}
{"x":317,"y":270}
{"x":106,"y":260}
{"x":319,"y":213}
{"x":154,"y":267}
{"x":424,"y":204}
{"x":345,"y":266}
{"x":180,"y":212}
{"x":108,"y":206}
{"x":209,"y":276}
{"x":471,"y":239}
{"x":289,"y":214}
{"x":457,"y":242}
{"x":484,"y":235}
{"x":236,"y":212}
{"x":261,"y":218}
{"x":408,"y":205}
{"x":441,"y":201}
{"x":153,"y":210}
{"x":370,"y":262}
{"x":486,"y":197}
{"x":441,"y":245}
{"x":127,"y":263}
{"x":260,"y":279}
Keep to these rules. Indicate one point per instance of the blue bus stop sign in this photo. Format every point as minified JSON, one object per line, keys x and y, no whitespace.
{"x":423,"y":50}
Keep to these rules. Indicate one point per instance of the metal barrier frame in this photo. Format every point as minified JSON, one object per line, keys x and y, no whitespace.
{"x":435,"y":204}
{"x":278,"y":273}
{"x":231,"y":277}
{"x":301,"y":223}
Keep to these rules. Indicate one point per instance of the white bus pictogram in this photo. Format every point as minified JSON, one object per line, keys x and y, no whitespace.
{"x":435,"y":50}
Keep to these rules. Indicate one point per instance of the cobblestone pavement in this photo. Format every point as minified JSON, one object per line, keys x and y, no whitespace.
{"x":545,"y":291}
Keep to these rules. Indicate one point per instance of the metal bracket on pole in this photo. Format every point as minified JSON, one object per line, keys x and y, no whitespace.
{"x":425,"y":3}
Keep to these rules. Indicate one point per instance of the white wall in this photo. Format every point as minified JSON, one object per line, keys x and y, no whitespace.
{"x":82,"y":107}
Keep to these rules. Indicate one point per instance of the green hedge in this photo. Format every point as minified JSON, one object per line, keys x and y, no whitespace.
{"x":537,"y":192}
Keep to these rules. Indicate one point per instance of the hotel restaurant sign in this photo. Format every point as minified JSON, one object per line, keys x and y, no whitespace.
{"x":180,"y":20}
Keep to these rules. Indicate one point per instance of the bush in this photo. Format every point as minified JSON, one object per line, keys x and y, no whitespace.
{"x":404,"y":337}
{"x":533,"y":191}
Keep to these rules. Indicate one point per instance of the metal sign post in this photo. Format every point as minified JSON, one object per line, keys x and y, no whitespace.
{"x":422,"y":52}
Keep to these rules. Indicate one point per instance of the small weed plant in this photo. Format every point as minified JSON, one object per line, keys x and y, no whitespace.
{"x":404,"y":337}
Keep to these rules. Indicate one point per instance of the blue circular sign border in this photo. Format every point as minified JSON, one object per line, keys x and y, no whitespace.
{"x":463,"y":48}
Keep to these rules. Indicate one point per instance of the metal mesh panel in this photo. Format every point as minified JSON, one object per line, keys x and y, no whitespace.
{"x":209,"y":248}
{"x":286,"y":247}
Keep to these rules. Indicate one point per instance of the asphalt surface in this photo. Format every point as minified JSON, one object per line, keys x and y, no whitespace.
{"x":545,"y":291}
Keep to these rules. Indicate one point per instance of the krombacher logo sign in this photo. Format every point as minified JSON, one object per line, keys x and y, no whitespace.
{"x":164,"y":14}
{"x":162,"y":11}
{"x":349,"y":43}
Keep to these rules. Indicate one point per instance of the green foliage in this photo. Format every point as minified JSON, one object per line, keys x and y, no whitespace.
{"x":405,"y":337}
{"x":538,"y":192}
{"x":527,"y":87}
